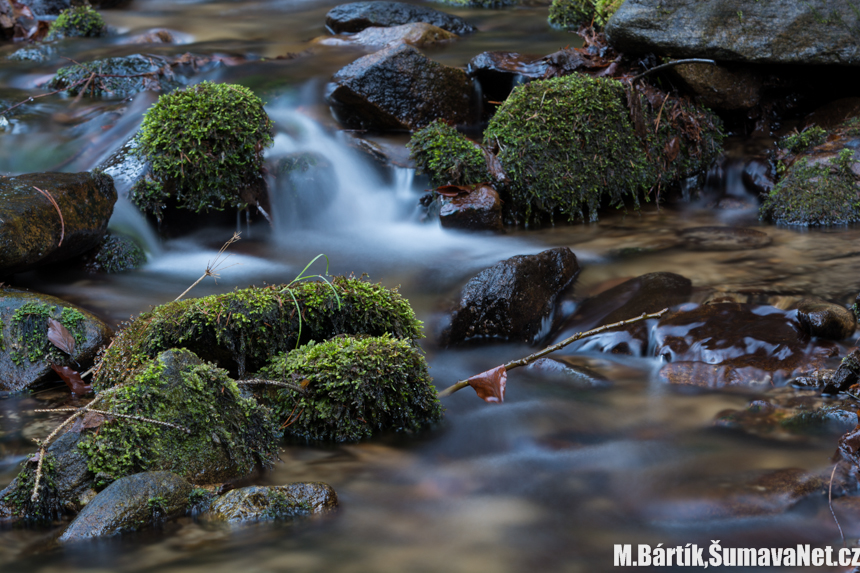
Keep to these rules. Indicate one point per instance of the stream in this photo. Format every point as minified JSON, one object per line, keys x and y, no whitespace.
{"x":549,"y":481}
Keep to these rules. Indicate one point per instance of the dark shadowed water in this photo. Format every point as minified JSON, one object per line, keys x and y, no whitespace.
{"x":550,"y":480}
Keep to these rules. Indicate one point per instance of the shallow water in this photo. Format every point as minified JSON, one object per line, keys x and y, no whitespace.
{"x":548,"y":481}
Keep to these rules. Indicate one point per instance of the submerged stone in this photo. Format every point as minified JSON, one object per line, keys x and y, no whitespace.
{"x":26,"y":354}
{"x":514,"y":299}
{"x":357,"y":16}
{"x":31,"y":231}
{"x":130,"y":504}
{"x":478,"y":210}
{"x":723,"y":238}
{"x":244,"y":329}
{"x":147,"y":73}
{"x":349,"y":388}
{"x":258,"y":503}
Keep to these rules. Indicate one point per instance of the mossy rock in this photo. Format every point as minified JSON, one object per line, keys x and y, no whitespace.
{"x":447,"y":156}
{"x":228,"y":434}
{"x":77,"y":21}
{"x":16,"y":501}
{"x":116,"y":253}
{"x":111,"y":79}
{"x":205,"y":148}
{"x":353,"y":387}
{"x":244,"y":329}
{"x":569,"y":145}
{"x":572,"y":14}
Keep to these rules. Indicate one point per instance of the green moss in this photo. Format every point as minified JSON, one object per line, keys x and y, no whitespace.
{"x":47,"y":507}
{"x":448,"y":157}
{"x":205,"y":147}
{"x":77,"y":21}
{"x":229,"y":434}
{"x":199,"y":500}
{"x":355,"y":387}
{"x":800,"y":142}
{"x":572,"y":14}
{"x":29,"y":332}
{"x":568,"y":145}
{"x":243,"y":329}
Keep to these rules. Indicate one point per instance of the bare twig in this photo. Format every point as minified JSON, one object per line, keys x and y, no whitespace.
{"x":252,"y":381}
{"x":671,"y":65}
{"x":60,"y":213}
{"x":213,"y":266}
{"x":532,"y":357}
{"x":126,"y":416}
{"x":830,"y":502}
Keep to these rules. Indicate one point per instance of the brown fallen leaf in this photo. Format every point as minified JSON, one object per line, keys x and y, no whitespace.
{"x":454,"y":190}
{"x":673,"y":147}
{"x":59,"y":336}
{"x":490,"y":385}
{"x":72,"y":379}
{"x":89,"y":420}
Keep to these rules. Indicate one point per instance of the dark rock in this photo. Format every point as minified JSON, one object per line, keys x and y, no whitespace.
{"x":125,"y":167}
{"x":723,"y":238}
{"x":479,"y":210}
{"x":500,"y":72}
{"x":129,"y":504}
{"x":514,"y":299}
{"x":357,"y":16}
{"x":721,"y":87}
{"x":25,"y":352}
{"x":416,"y":34}
{"x":648,"y":293}
{"x":825,"y":319}
{"x":116,"y":253}
{"x":777,"y":32}
{"x":30,"y":229}
{"x":398,"y":88}
{"x":147,"y":73}
{"x":731,"y":344}
{"x":848,"y":372}
{"x":757,"y":177}
{"x":831,"y":115}
{"x":273,"y":502}
{"x":48,"y":7}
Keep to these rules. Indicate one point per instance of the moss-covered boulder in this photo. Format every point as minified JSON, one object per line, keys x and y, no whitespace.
{"x":77,"y":21}
{"x":572,"y":14}
{"x":244,"y":329}
{"x":205,"y":148}
{"x":32,"y":233}
{"x":570,"y":145}
{"x":218,"y":433}
{"x":350,"y":388}
{"x":447,"y":156}
{"x":820,"y":183}
{"x":115,"y":77}
{"x":26,"y":354}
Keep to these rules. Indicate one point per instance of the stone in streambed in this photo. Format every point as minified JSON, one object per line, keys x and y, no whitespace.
{"x":398,"y":88}
{"x":115,"y":254}
{"x":514,"y":299}
{"x":723,"y":238}
{"x":478,"y":210}
{"x":825,"y":319}
{"x":25,"y":352}
{"x":74,"y":78}
{"x":357,"y":16}
{"x":257,"y":503}
{"x":130,"y":504}
{"x":30,"y":227}
{"x":417,"y":34}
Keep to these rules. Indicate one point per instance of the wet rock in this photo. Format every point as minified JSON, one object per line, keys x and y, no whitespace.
{"x":514,"y":299}
{"x":478,"y":210}
{"x":723,"y":238}
{"x":825,"y":319}
{"x":48,"y":7}
{"x":25,"y":352}
{"x":305,"y":184}
{"x":832,"y":114}
{"x":116,"y":253}
{"x":848,"y":372}
{"x":129,"y":504}
{"x":149,"y":73}
{"x":777,"y":32}
{"x":722,"y":497}
{"x":77,"y":21}
{"x":417,"y":34}
{"x":125,"y":167}
{"x":273,"y":502}
{"x":757,"y":177}
{"x":31,"y":233}
{"x":731,"y":344}
{"x":722,"y":87}
{"x":500,"y":72}
{"x":357,"y":16}
{"x":648,"y":293}
{"x":570,"y":374}
{"x":158,"y":36}
{"x":398,"y":88}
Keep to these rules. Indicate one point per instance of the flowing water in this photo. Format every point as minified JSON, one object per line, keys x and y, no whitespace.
{"x":550,"y":480}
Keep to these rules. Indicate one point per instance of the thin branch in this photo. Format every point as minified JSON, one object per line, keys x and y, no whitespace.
{"x":532,"y":357}
{"x":60,"y":213}
{"x":671,"y":65}
{"x":213,"y":266}
{"x":126,"y":416}
{"x":252,"y":381}
{"x":830,"y":502}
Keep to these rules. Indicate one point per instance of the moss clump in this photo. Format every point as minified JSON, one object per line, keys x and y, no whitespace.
{"x":243,"y":330}
{"x":229,"y":434}
{"x":111,"y":80}
{"x":205,"y":148}
{"x":354,"y":387}
{"x":447,"y":156}
{"x":568,"y":145}
{"x":117,"y":253}
{"x":30,"y":332}
{"x":573,"y":14}
{"x":47,"y":508}
{"x":77,"y":21}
